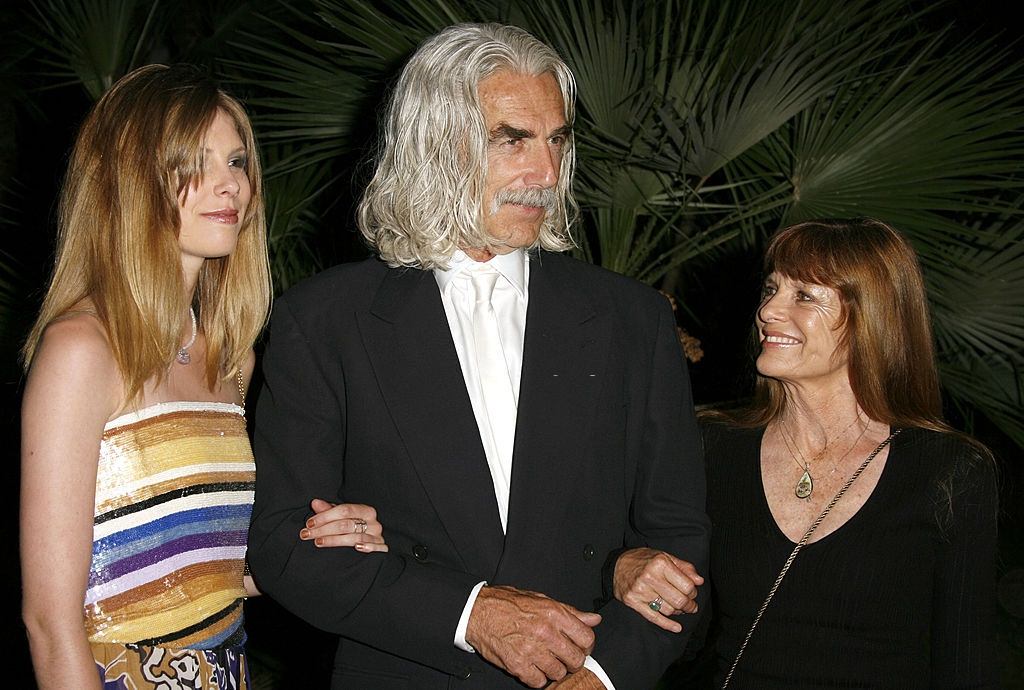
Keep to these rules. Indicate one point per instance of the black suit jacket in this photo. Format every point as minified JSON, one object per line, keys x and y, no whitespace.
{"x":365,"y":401}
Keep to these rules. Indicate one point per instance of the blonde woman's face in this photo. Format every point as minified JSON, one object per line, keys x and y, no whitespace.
{"x":212,"y":212}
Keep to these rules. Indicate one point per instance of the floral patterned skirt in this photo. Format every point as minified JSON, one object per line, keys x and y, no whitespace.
{"x":139,"y":667}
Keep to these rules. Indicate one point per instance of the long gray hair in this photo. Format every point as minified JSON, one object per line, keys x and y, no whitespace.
{"x":426,"y":196}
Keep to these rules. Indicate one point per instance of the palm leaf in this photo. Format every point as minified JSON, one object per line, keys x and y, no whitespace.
{"x":303,"y":95}
{"x":91,"y":43}
{"x":977,"y":293}
{"x":292,"y":219}
{"x":993,"y":387}
{"x":909,"y":141}
{"x":381,"y":35}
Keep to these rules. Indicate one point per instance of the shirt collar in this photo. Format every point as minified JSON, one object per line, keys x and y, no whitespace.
{"x":512,"y":266}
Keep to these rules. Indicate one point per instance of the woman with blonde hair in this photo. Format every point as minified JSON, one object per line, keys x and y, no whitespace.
{"x":137,"y":476}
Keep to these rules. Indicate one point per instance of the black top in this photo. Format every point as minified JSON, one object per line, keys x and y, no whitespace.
{"x":901,"y":596}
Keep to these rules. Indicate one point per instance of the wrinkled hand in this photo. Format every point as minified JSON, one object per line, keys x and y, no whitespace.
{"x":581,"y":680}
{"x":529,"y":635}
{"x":643,"y":575}
{"x":342,"y":524}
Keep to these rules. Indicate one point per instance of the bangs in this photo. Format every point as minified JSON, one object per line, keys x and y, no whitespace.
{"x":184,"y":132}
{"x":809,"y":254}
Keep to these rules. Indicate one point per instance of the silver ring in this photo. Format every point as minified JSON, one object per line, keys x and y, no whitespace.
{"x":656,"y":604}
{"x":360,"y":526}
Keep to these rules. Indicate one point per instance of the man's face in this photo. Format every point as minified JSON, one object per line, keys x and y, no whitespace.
{"x":527,"y":133}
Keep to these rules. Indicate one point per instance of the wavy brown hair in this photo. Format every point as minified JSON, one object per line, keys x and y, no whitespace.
{"x":117,"y":245}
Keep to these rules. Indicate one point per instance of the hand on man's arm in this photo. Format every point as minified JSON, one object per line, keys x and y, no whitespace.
{"x":646,"y":575}
{"x":529,"y":635}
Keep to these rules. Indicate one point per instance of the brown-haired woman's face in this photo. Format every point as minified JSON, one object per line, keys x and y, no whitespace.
{"x":212,"y":212}
{"x":798,"y":325}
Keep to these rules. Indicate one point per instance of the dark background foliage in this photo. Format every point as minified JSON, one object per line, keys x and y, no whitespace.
{"x":691,"y":221}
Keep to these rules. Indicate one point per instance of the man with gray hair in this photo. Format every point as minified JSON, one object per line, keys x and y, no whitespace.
{"x":521,"y":421}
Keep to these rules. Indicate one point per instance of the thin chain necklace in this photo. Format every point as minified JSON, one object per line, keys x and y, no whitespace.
{"x":183,"y":356}
{"x":805,"y":486}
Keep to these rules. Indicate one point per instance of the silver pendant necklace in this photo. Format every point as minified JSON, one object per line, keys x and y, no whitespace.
{"x":183,"y":356}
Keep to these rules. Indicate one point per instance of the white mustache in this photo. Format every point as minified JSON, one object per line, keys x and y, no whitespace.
{"x":541,"y":198}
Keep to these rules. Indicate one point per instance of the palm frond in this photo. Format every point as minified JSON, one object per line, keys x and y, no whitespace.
{"x":292,"y":220}
{"x":92,"y":43}
{"x":379,"y":36}
{"x":977,"y":293}
{"x":930,"y":134}
{"x":991,"y":386}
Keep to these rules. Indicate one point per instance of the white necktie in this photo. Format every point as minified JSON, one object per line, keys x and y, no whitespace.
{"x":499,"y":399}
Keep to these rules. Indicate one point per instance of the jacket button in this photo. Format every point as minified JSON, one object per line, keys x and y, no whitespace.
{"x":588,"y":552}
{"x":419,"y":552}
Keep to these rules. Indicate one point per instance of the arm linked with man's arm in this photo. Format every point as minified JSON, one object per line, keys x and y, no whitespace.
{"x":668,"y":511}
{"x":378,"y":599}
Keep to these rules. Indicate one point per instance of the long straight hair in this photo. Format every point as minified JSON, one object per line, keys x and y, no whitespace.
{"x":885,"y":326}
{"x":138,"y":150}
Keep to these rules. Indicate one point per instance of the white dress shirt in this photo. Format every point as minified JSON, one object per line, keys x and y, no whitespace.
{"x":509,"y":300}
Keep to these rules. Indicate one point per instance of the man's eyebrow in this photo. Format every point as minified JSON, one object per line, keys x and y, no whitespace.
{"x":507,"y":131}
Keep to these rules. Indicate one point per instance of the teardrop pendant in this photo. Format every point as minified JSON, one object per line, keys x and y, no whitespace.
{"x":183,"y":356}
{"x":805,"y":486}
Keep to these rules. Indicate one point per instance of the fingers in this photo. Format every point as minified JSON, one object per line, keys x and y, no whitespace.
{"x":319,"y":505}
{"x":331,"y":540}
{"x":552,"y":668}
{"x":353,"y":526}
{"x":687,"y":568}
{"x":659,"y":619}
{"x":326,"y":510}
{"x":645,"y":577}
{"x":667,"y":598}
{"x":580,"y":632}
{"x":678,"y":588}
{"x":534,"y":638}
{"x":581,"y":680}
{"x":345,"y":524}
{"x":350,"y":516}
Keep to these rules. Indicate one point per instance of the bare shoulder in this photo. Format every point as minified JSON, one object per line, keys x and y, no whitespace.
{"x":74,"y":355}
{"x":76,"y":341}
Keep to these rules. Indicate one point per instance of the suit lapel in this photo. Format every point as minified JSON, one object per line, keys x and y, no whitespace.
{"x":410,"y":347}
{"x":564,"y":356}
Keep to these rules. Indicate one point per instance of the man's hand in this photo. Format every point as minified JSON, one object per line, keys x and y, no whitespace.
{"x":581,"y":680}
{"x":529,"y":635}
{"x":645,"y":575}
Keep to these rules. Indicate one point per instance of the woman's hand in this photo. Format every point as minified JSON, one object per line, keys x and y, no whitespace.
{"x":643,"y":576}
{"x":344,"y":524}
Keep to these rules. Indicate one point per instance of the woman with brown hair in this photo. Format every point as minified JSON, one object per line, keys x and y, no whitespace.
{"x":854,"y":532}
{"x":137,"y":476}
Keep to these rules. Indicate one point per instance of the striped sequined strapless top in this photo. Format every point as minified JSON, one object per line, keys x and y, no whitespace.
{"x":174,"y":494}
